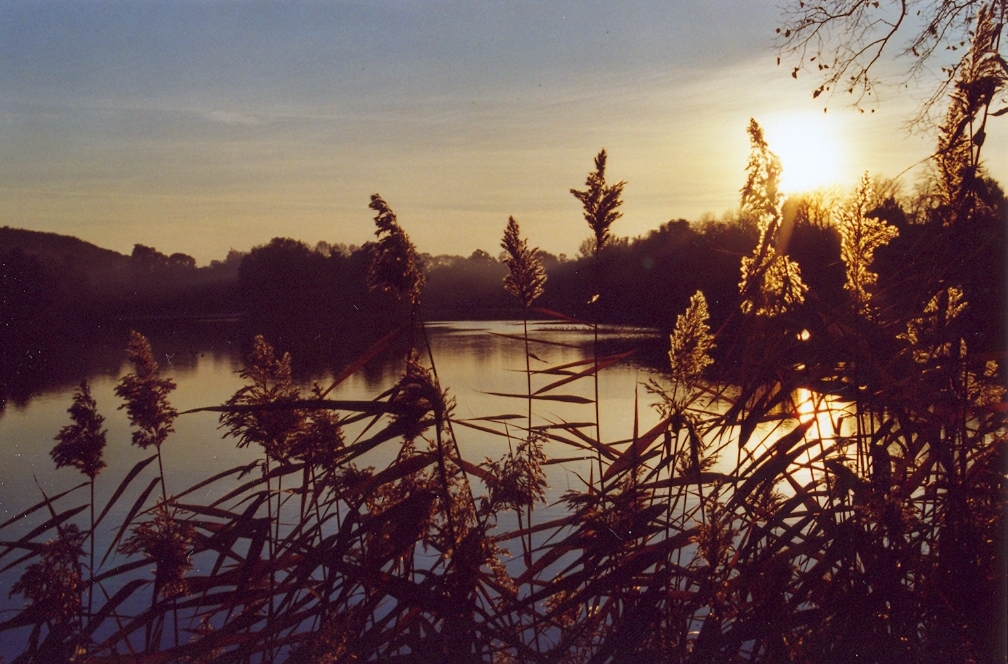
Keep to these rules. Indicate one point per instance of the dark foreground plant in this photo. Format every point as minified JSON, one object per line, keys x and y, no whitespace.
{"x":787,"y":505}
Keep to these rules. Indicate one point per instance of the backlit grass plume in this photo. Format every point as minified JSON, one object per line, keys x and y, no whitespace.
{"x":167,"y":542}
{"x":771,"y":282}
{"x":600,"y":202}
{"x":526,"y":276}
{"x":146,"y":395}
{"x":691,"y":342}
{"x":414,"y":396}
{"x":320,"y":441}
{"x":981,"y":77}
{"x":80,"y":444}
{"x":395,"y":266}
{"x":269,"y":382}
{"x":53,"y":584}
{"x":860,"y":236}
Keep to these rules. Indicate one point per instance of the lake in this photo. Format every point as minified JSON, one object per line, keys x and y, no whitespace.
{"x":472,"y":360}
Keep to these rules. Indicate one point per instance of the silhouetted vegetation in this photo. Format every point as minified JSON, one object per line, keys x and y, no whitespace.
{"x":826,"y":481}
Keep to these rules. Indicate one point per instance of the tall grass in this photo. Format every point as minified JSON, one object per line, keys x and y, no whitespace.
{"x":786,"y":507}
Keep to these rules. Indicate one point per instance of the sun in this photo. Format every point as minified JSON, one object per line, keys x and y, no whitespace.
{"x":810,"y":150}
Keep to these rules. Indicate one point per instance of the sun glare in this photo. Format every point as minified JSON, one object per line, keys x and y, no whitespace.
{"x":809,"y":148}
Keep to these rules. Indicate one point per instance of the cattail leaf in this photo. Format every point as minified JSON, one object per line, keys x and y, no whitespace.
{"x":775,"y":460}
{"x":121,"y":569}
{"x":53,"y":522}
{"x":604,"y":448}
{"x":207,"y":510}
{"x":602,"y":363}
{"x":633,"y":453}
{"x":565,"y":398}
{"x":390,"y":432}
{"x":555,"y":524}
{"x":559,"y":316}
{"x":473,"y":469}
{"x":477,"y":427}
{"x":240,"y":490}
{"x":367,"y":407}
{"x":557,"y":460}
{"x":39,"y":505}
{"x":546,"y":342}
{"x":564,"y":369}
{"x":34,"y":549}
{"x":140,"y":465}
{"x":704,"y":477}
{"x":113,"y":602}
{"x":129,"y":518}
{"x":240,"y":470}
{"x":394,"y":472}
{"x":493,"y":418}
{"x":368,"y":355}
{"x":30,"y":615}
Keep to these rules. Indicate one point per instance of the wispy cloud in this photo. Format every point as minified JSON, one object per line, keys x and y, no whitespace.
{"x":232,"y":118}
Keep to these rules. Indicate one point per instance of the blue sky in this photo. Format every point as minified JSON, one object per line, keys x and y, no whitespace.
{"x":204,"y":126}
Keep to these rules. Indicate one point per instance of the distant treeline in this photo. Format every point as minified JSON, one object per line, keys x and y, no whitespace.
{"x":58,"y":292}
{"x":294,"y":291}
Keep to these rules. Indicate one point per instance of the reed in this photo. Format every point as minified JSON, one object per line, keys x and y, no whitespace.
{"x":859,"y":517}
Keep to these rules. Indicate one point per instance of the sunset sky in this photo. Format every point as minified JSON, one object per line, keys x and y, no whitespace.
{"x":198,"y":127}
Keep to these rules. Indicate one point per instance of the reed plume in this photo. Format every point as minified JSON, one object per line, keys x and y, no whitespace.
{"x":146,"y":396}
{"x":395,"y":266}
{"x":168,"y":542}
{"x":860,"y":235}
{"x":600,"y":202}
{"x":771,"y":282}
{"x":80,"y":444}
{"x":526,"y":277}
{"x":269,"y":382}
{"x":690,"y":343}
{"x":53,"y":585}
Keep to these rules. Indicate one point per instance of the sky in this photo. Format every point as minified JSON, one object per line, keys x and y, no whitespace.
{"x":204,"y":126}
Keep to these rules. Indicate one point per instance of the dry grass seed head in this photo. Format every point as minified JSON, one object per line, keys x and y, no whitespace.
{"x":53,"y":585}
{"x":414,"y":396}
{"x":167,"y":541}
{"x":600,"y":202}
{"x":771,"y":283}
{"x":270,"y":383}
{"x":80,"y":444}
{"x":146,"y":395}
{"x":926,"y":334}
{"x":691,"y":342}
{"x":320,"y":441}
{"x":526,"y":276}
{"x":395,"y":265}
{"x":860,"y":236}
{"x":517,"y":481}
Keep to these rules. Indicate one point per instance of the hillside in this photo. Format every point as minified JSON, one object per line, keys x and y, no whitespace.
{"x":56,"y":250}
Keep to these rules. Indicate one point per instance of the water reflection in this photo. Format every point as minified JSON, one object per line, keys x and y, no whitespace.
{"x":473,"y":359}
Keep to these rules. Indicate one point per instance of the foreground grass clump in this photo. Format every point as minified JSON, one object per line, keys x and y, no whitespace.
{"x":788,"y":506}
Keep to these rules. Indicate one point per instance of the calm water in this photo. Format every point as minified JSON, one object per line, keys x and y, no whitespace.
{"x":472,"y":359}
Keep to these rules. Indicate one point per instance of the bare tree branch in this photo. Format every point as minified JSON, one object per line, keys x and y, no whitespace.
{"x":844,"y":42}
